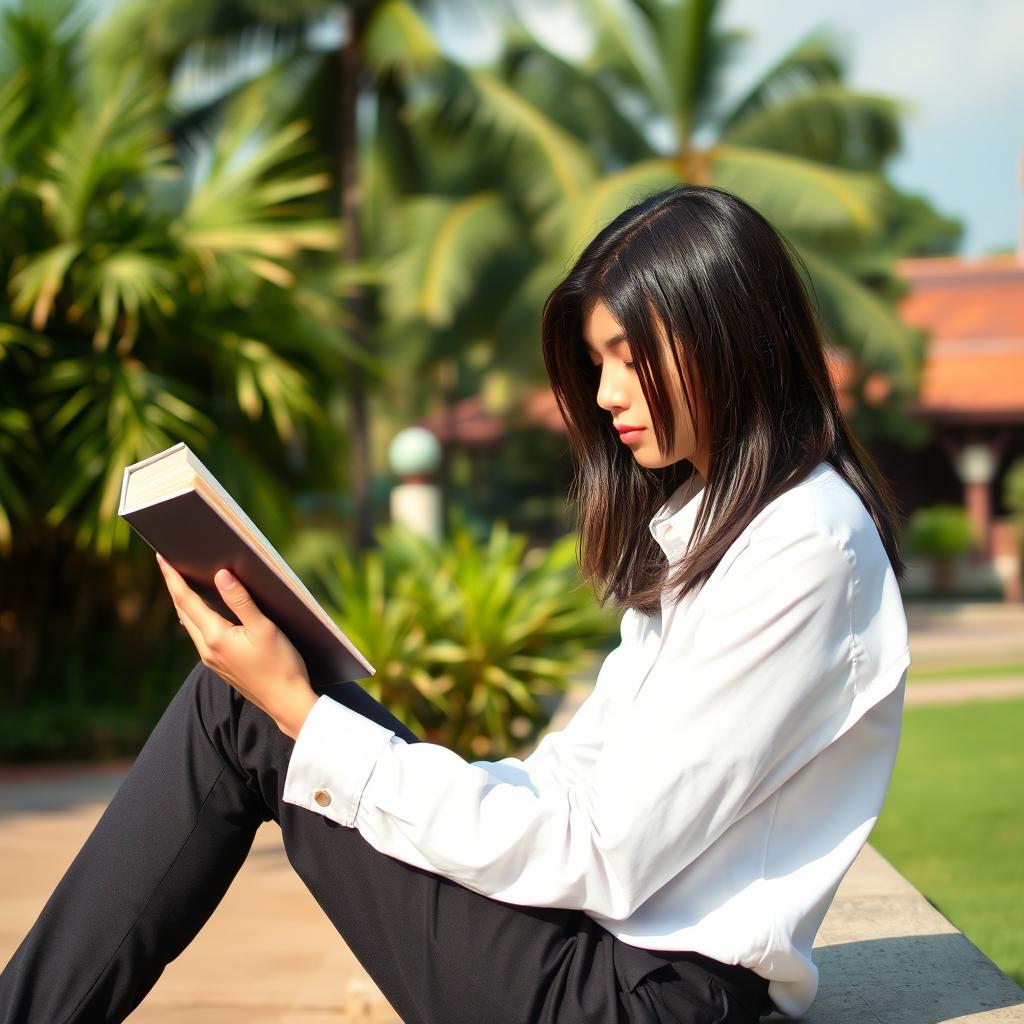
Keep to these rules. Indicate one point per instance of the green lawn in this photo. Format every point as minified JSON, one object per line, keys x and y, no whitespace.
{"x":953,"y":822}
{"x":941,"y":675}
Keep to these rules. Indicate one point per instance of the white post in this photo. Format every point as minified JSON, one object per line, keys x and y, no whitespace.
{"x":415,"y":455}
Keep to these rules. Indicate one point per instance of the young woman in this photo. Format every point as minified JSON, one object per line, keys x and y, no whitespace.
{"x":670,"y":854}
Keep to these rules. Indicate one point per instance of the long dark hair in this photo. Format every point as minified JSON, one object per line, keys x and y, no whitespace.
{"x":722,"y":283}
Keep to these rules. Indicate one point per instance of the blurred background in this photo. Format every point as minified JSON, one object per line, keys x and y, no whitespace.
{"x":312,"y":240}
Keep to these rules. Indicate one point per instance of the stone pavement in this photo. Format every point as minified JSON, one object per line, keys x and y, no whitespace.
{"x":951,"y":636}
{"x":269,"y":956}
{"x":965,"y":691}
{"x":948,"y":637}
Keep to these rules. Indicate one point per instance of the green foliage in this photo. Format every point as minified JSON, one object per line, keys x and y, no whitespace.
{"x":151,"y":294}
{"x":147,"y":287}
{"x":543,"y":151}
{"x":62,"y":731}
{"x":468,"y":636}
{"x":941,"y":531}
{"x":170,"y":273}
{"x":1013,"y":491}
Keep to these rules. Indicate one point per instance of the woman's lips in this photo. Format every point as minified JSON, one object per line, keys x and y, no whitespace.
{"x":630,"y":435}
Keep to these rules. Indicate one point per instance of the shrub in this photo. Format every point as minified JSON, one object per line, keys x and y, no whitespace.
{"x":940,"y":533}
{"x":467,"y":636}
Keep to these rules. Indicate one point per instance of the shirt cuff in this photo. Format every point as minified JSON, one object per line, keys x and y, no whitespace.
{"x":334,"y":754}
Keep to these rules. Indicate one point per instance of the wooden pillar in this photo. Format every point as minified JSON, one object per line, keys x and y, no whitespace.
{"x":976,"y":466}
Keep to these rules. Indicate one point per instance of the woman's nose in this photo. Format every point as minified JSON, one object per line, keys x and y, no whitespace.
{"x":610,"y":392}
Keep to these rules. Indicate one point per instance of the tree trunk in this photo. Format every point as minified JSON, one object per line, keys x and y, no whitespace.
{"x":943,"y":575}
{"x":350,"y":68}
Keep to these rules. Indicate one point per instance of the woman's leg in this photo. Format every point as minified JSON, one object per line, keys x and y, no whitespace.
{"x":176,"y":833}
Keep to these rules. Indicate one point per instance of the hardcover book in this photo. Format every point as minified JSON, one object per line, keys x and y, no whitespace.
{"x":180,"y":509}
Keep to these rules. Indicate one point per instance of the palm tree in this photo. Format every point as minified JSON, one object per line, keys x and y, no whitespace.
{"x":581,"y":140}
{"x":150,"y":296}
{"x":328,"y":60}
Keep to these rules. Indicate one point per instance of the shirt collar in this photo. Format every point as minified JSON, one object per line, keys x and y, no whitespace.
{"x":673,"y":523}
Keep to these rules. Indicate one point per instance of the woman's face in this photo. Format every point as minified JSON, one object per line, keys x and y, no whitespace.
{"x":619,"y":392}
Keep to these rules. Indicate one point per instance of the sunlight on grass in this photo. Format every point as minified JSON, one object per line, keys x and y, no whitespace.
{"x":953,"y":823}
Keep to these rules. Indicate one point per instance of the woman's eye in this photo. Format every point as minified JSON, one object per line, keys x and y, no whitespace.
{"x":628,"y":365}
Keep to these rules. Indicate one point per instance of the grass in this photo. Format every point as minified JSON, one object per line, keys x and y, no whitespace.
{"x":953,"y":822}
{"x":958,"y":674}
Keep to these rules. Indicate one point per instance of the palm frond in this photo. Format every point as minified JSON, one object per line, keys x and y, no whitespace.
{"x":113,"y":140}
{"x":862,"y":322}
{"x":212,"y":70}
{"x":577,"y":95}
{"x":37,"y":279}
{"x":800,"y":196}
{"x":828,"y":124}
{"x":103,"y":412}
{"x":239,"y":220}
{"x":627,"y":46}
{"x":398,"y":42}
{"x":439,"y":247}
{"x":125,"y":286}
{"x":812,"y":62}
{"x":38,"y":67}
{"x":14,"y":101}
{"x":263,"y":379}
{"x":690,"y":54}
{"x":548,"y":166}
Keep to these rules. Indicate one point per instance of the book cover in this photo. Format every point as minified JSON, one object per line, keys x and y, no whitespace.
{"x":192,"y":529}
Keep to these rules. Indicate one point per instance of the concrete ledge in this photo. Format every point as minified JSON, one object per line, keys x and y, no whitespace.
{"x":886,"y":955}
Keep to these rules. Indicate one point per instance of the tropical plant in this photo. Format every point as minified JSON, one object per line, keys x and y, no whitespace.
{"x":150,"y":296}
{"x":941,"y":533}
{"x":478,"y":183}
{"x":322,"y":60}
{"x":472,"y":637}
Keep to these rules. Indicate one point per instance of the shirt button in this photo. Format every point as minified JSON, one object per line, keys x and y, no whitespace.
{"x":668,"y":531}
{"x":322,"y":797}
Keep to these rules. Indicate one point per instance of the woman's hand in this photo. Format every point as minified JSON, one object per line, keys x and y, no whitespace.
{"x":256,"y":658}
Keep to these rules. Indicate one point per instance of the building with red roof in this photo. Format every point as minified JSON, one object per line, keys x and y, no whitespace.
{"x":971,"y":396}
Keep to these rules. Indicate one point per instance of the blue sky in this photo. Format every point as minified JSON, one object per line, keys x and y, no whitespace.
{"x":958,"y":64}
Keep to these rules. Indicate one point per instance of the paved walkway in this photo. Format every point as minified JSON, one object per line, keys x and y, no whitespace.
{"x":965,"y":691}
{"x":268,"y":955}
{"x":952,"y":636}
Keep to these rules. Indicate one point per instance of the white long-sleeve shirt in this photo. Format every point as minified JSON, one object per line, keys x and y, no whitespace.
{"x":713,"y":789}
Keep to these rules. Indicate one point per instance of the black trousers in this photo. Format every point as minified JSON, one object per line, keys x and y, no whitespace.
{"x":182,"y":822}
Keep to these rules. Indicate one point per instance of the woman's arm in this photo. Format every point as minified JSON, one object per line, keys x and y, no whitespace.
{"x":768,"y":682}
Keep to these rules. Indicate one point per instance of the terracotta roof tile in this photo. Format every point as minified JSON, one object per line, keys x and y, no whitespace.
{"x":973,"y":311}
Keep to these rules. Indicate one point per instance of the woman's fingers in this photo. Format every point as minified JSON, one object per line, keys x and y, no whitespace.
{"x":194,"y":632}
{"x":186,"y":600}
{"x":237,"y":598}
{"x":254,"y":656}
